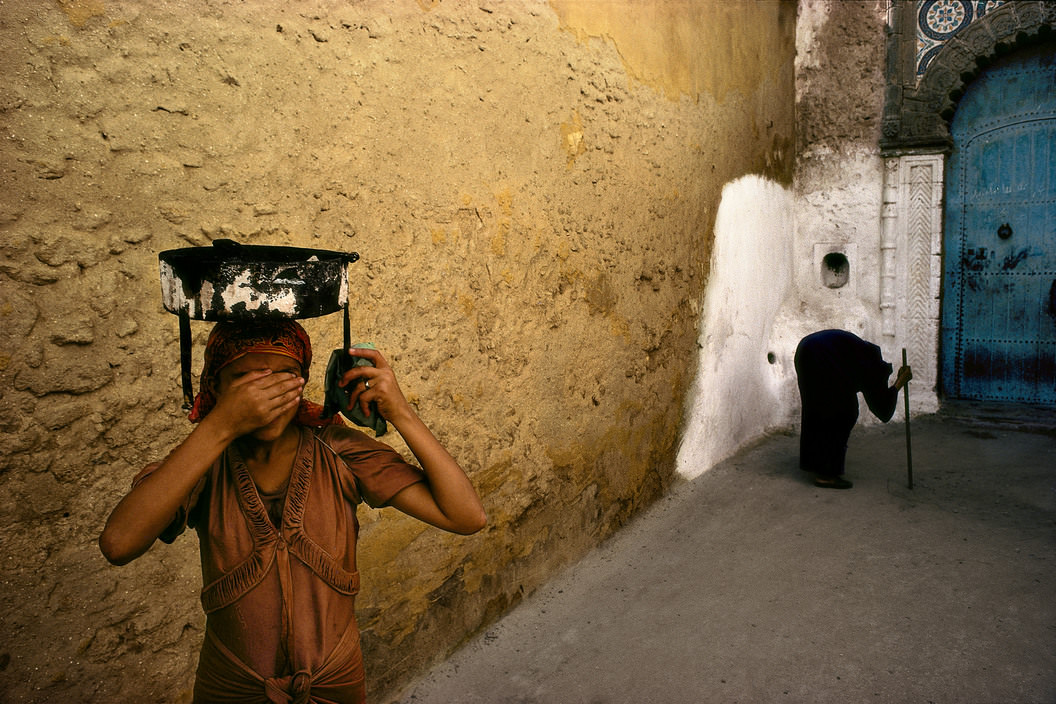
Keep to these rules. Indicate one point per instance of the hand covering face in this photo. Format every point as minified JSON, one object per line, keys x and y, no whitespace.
{"x":230,"y":341}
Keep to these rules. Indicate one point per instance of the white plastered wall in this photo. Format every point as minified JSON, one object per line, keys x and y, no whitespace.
{"x":738,"y":393}
{"x":767,"y":289}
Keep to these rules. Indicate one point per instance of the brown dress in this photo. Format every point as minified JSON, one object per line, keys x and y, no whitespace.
{"x":280,"y":600}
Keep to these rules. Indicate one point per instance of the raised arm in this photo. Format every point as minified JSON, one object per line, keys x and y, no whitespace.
{"x":447,"y":499}
{"x":143,"y":514}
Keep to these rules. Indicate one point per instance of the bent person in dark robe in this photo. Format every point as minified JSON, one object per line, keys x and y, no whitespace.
{"x":832,"y":367}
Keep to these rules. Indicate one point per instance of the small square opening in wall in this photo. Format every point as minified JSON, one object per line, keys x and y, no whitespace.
{"x":832,"y":264}
{"x":835,"y":270}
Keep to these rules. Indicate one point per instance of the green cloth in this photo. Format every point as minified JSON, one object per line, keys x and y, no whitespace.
{"x":337,"y":398}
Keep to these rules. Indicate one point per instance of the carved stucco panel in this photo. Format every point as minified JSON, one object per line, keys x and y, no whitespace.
{"x":911,"y":267}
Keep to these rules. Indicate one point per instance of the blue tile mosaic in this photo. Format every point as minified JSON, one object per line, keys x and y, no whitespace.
{"x":939,"y":20}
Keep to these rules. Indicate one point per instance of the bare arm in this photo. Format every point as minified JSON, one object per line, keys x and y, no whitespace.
{"x":447,"y":499}
{"x":142,"y":515}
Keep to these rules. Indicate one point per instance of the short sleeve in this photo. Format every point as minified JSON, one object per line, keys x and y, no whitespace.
{"x":378,"y":471}
{"x":184,"y":515}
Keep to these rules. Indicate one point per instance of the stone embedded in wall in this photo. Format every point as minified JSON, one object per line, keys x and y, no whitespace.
{"x":58,"y":411}
{"x":18,"y":314}
{"x":35,"y":495}
{"x":77,"y":330}
{"x":572,"y":138}
{"x":80,"y":12}
{"x":64,"y":370}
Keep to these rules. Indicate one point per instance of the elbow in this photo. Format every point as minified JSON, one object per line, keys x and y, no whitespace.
{"x":116,"y":551}
{"x":112,"y":551}
{"x":473,"y":524}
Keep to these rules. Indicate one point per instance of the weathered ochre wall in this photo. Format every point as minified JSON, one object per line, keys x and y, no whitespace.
{"x":532,"y":189}
{"x":839,"y":172}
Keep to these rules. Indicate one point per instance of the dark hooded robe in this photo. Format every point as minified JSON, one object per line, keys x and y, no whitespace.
{"x":832,"y":367}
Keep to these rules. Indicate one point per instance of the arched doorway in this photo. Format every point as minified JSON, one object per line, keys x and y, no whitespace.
{"x":998,"y":316}
{"x":936,"y":51}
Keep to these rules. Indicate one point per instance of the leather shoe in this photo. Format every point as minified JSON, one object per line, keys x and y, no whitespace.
{"x":833,"y":483}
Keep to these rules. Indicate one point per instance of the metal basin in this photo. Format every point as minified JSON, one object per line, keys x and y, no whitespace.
{"x":232,"y":281}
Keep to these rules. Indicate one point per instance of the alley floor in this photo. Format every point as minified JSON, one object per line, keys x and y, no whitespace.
{"x":751,"y":585}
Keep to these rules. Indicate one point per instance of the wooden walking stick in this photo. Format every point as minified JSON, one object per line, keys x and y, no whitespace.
{"x":909,"y":445}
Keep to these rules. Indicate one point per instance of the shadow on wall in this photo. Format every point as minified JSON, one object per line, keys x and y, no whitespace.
{"x":742,"y":383}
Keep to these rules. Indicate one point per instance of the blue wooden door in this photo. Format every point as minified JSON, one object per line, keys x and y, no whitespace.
{"x":999,"y":287}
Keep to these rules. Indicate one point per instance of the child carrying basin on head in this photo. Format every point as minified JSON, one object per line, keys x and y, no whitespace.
{"x":271,"y":487}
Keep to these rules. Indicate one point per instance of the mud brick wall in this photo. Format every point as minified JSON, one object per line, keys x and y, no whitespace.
{"x":531,"y":187}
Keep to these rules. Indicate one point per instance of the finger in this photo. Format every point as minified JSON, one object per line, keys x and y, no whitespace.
{"x":294,"y":400}
{"x":276,"y":389}
{"x":296,"y":392}
{"x":357,"y":374}
{"x":267,"y":384}
{"x":249,"y":378}
{"x":361,"y":397}
{"x":281,"y":404}
{"x":373,"y":355}
{"x":276,"y":382}
{"x":279,"y":386}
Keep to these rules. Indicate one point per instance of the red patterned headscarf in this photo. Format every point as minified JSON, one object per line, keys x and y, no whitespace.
{"x":230,"y":341}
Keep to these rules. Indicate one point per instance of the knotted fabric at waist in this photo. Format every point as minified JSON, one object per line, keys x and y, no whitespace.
{"x":291,"y":689}
{"x":224,"y":679}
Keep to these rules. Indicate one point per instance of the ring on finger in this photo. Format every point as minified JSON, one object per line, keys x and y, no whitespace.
{"x":366,"y":384}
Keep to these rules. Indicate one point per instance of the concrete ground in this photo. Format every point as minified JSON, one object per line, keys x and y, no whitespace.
{"x":749,"y":584}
